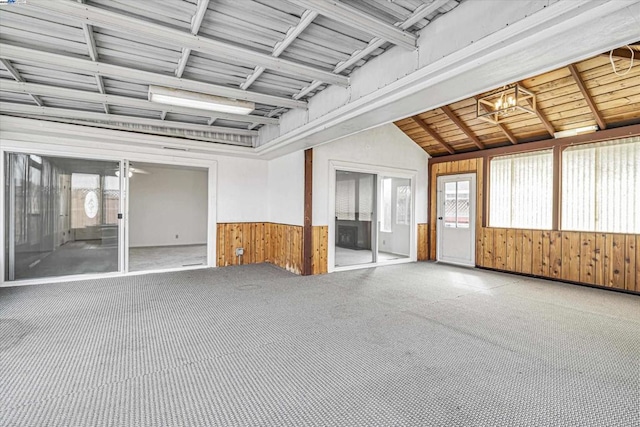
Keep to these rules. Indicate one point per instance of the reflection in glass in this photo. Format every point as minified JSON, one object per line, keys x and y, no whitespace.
{"x":61,"y":216}
{"x":394,"y":236}
{"x":355,"y":214}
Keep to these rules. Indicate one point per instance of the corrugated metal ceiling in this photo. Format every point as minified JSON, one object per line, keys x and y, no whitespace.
{"x":274,"y":28}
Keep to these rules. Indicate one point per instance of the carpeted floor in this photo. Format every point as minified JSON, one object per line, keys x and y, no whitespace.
{"x":408,"y":345}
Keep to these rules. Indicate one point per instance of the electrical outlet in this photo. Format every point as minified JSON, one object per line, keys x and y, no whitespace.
{"x":176,"y":236}
{"x":239,"y":251}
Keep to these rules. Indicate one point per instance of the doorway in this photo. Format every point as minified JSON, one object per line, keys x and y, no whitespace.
{"x":373,"y":218}
{"x":456,"y":207}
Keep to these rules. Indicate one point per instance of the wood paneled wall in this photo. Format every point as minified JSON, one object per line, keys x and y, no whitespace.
{"x":603,"y":259}
{"x":320,"y":245}
{"x":278,"y":244}
{"x":423,"y":242}
{"x":448,"y":168}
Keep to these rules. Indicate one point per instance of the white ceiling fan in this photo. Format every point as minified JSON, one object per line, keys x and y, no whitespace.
{"x":133,"y":170}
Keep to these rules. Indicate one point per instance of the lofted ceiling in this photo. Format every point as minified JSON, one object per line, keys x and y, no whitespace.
{"x":91,"y":62}
{"x":587,"y":93}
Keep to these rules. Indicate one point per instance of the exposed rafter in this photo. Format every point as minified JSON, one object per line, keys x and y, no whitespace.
{"x":16,"y":75}
{"x":419,"y":14}
{"x":463,"y":127}
{"x":306,"y":19}
{"x":543,"y":119}
{"x":87,"y":30}
{"x":86,"y":66}
{"x":117,"y":21}
{"x":84,"y":96}
{"x":500,"y":126}
{"x":196,"y":21}
{"x":417,"y":120}
{"x":353,"y":17}
{"x":10,"y":107}
{"x":587,"y":96}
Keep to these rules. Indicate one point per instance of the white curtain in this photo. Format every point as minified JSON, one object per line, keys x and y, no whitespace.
{"x":601,"y":187}
{"x":521,"y":190}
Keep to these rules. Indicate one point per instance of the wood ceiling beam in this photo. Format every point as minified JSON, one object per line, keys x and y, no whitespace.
{"x":425,"y":127}
{"x":196,"y":22}
{"x":543,"y":119}
{"x":463,"y":127}
{"x":126,"y":101}
{"x":500,"y":126}
{"x":587,"y":96}
{"x":80,"y":65}
{"x":305,"y":20}
{"x":621,"y":53}
{"x":419,"y":14}
{"x":174,"y":37}
{"x":12,"y":107}
{"x":355,"y":18}
{"x":17,"y":77}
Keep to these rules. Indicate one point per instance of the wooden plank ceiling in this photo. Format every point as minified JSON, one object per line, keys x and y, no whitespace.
{"x":582,"y":94}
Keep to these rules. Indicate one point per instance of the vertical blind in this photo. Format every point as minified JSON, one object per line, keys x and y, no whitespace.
{"x":521,"y":190}
{"x":601,"y":187}
{"x":346,"y":200}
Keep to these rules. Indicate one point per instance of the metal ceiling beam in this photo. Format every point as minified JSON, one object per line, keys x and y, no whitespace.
{"x":16,"y":75}
{"x":117,"y":21}
{"x":417,"y":120}
{"x":87,"y":30}
{"x":463,"y":127}
{"x":587,"y":96}
{"x":99,"y":98}
{"x":196,"y":21}
{"x":354,"y":18}
{"x":12,"y":107}
{"x":293,"y":33}
{"x":420,"y":13}
{"x":146,"y":77}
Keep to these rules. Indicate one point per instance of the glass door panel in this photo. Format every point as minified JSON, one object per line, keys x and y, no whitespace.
{"x":394,"y":234}
{"x":61,"y":216}
{"x":354,"y":218}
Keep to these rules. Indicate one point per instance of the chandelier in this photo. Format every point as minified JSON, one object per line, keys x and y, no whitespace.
{"x":498,"y":105}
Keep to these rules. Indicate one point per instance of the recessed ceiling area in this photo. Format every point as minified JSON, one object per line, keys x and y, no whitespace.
{"x":585,"y":94}
{"x":91,"y":62}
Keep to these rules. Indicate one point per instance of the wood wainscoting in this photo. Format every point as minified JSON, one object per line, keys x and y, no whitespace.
{"x":278,"y":244}
{"x":602,"y":259}
{"x":423,"y":242}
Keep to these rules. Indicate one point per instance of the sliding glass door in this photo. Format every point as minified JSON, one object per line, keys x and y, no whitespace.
{"x":373,"y":218}
{"x":61,"y":216}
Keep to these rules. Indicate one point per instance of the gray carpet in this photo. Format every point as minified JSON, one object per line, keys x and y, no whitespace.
{"x":408,"y":345}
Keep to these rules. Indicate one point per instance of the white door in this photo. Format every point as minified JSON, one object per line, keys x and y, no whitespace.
{"x":456,"y":219}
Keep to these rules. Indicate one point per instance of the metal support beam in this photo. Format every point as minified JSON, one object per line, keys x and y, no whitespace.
{"x":420,"y":13}
{"x":417,"y":120}
{"x":87,"y":30}
{"x":463,"y":127}
{"x":117,"y":21}
{"x":10,"y":107}
{"x":355,"y":18}
{"x":196,"y":21}
{"x":16,"y":75}
{"x":306,"y":19}
{"x":131,"y":74}
{"x":587,"y":96}
{"x":85,"y":96}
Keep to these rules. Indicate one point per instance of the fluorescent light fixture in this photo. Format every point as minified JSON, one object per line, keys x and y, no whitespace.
{"x":184,"y":98}
{"x":574,"y":132}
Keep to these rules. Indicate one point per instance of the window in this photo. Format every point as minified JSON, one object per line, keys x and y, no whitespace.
{"x":403,"y":205}
{"x":385,"y":220}
{"x":521,"y":190}
{"x":456,"y":204}
{"x":601,"y":187}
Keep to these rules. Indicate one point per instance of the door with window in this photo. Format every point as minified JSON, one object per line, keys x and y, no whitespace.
{"x":456,"y":219}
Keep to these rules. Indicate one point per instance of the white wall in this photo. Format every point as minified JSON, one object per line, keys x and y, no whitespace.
{"x":286,"y":189}
{"x":385,"y":146}
{"x":166,"y":203}
{"x":243,"y":190}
